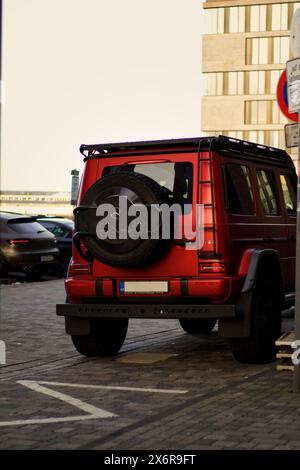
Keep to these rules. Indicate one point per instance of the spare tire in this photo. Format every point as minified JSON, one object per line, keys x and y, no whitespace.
{"x":121,"y":252}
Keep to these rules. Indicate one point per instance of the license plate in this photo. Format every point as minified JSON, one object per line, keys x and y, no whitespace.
{"x":45,"y":258}
{"x":144,"y":287}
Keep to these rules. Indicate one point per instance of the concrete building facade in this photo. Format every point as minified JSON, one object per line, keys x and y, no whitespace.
{"x":37,"y":202}
{"x":243,"y":58}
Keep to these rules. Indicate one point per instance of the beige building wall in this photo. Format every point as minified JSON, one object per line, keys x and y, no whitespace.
{"x":243,"y":58}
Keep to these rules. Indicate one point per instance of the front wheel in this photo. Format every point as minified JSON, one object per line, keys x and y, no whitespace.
{"x":260,"y":347}
{"x":197,"y":325}
{"x":106,"y":337}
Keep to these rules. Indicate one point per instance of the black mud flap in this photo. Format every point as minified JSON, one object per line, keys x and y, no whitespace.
{"x":240,"y":326}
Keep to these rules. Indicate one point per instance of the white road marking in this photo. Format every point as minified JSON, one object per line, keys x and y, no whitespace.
{"x":22,"y":422}
{"x":92,"y":412}
{"x":89,"y":409}
{"x":114,"y":387}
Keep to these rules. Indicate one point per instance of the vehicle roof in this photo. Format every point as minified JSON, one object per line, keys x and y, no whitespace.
{"x":14,"y":215}
{"x":222,"y":144}
{"x":55,"y":219}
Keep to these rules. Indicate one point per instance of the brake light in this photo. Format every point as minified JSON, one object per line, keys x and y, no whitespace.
{"x":80,"y":268}
{"x":206,"y":198}
{"x":212,"y":268}
{"x":18,"y":241}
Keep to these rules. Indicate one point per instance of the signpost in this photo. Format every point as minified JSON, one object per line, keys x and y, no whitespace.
{"x":75,"y":186}
{"x":291,"y":135}
{"x":282,"y":98}
{"x":293,"y":79}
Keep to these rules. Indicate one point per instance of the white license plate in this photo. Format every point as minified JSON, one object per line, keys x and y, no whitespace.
{"x":144,"y":287}
{"x":45,"y":258}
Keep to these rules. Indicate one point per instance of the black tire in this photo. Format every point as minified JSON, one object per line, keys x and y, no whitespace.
{"x":197,"y":325}
{"x":34,"y":276}
{"x":106,"y":337}
{"x":3,"y":268}
{"x":125,"y":253}
{"x":260,"y":348}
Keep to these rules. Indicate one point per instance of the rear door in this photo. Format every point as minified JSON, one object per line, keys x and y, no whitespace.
{"x":245,"y":227}
{"x":289,"y":196}
{"x":177,"y":173}
{"x":273,"y":216}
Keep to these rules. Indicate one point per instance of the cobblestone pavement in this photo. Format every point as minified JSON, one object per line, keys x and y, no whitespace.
{"x":165,"y":390}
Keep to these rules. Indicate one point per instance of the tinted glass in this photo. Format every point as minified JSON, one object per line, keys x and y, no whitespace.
{"x":177,"y":178}
{"x":289,"y":194}
{"x":239,"y":189}
{"x":26,"y":227}
{"x":267,"y":191}
{"x":48,"y":225}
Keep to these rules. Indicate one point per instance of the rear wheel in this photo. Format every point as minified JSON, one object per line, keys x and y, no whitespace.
{"x":3,"y":268}
{"x":197,"y":325}
{"x":265,"y":325}
{"x":106,"y":337}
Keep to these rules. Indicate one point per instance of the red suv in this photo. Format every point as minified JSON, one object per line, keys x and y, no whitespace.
{"x":240,"y":270}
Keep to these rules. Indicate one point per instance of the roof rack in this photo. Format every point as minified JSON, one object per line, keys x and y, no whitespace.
{"x":245,"y":147}
{"x":222,"y":144}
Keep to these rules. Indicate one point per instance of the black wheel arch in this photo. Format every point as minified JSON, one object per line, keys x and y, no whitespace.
{"x":263,"y":262}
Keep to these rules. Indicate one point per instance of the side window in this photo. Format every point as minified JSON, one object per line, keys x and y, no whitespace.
{"x":267,"y":191}
{"x":239,"y":189}
{"x":289,"y":194}
{"x":48,"y":225}
{"x":58,"y":231}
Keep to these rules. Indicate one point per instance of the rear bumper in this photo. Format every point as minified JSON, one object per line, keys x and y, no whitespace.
{"x":145,"y":311}
{"x":214,"y":289}
{"x":28,"y":261}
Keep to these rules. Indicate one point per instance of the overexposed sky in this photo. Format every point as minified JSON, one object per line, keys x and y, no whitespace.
{"x":94,"y":71}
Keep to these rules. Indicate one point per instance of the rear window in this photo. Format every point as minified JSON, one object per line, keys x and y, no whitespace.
{"x":57,"y":229}
{"x":25,"y":227}
{"x":239,"y":189}
{"x":177,"y":178}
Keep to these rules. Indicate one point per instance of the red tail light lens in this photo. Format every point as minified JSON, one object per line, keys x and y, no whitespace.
{"x":212,"y":268}
{"x":76,"y":268}
{"x":18,"y":241}
{"x":205,"y":198}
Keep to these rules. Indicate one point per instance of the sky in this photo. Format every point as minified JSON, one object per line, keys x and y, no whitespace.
{"x":94,"y":71}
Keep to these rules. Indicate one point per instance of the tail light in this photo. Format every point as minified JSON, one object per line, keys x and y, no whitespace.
{"x":212,"y":267}
{"x":206,"y":199}
{"x":18,"y":241}
{"x":76,"y":268}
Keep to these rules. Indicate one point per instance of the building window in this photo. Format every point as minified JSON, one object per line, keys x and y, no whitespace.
{"x":258,"y":18}
{"x":262,"y":51}
{"x":220,"y":21}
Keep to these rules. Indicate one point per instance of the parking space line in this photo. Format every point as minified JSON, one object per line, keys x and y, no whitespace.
{"x":22,"y":422}
{"x":91,"y":412}
{"x":113,"y":387}
{"x":89,"y":409}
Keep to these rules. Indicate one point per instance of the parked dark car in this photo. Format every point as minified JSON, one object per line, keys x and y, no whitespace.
{"x":26,"y":246}
{"x":62,"y":229}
